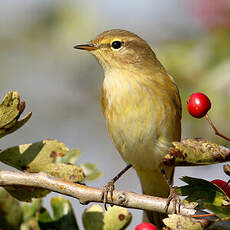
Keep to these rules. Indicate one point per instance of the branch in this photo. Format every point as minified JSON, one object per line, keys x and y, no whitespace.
{"x":197,"y":151}
{"x":86,"y":194}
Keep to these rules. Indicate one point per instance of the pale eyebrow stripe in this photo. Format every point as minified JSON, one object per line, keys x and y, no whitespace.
{"x":104,"y":45}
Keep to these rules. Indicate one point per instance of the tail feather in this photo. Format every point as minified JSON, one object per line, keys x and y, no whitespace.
{"x":154,"y":183}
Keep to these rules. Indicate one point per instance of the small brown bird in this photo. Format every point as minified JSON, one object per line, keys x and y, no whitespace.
{"x":141,"y":105}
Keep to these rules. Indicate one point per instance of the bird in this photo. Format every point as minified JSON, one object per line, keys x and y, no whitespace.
{"x":141,"y":105}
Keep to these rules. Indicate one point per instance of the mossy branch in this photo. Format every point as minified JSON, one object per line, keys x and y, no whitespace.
{"x":194,"y":152}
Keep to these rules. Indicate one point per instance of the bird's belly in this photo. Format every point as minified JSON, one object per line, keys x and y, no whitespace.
{"x":137,"y":139}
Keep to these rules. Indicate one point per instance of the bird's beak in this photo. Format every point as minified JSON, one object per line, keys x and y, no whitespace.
{"x":89,"y":47}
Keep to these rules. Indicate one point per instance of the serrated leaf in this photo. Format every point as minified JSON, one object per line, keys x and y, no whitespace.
{"x":10,"y":211}
{"x":63,"y":215}
{"x":206,"y":194}
{"x":92,"y":218}
{"x":176,"y":221}
{"x":91,"y":171}
{"x":200,"y":190}
{"x":116,"y":218}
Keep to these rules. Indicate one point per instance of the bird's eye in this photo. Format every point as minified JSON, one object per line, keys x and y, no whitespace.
{"x":116,"y":44}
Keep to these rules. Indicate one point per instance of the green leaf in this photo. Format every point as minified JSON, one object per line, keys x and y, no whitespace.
{"x":10,"y":110}
{"x":31,"y":224}
{"x":70,"y":157}
{"x":206,"y":194}
{"x":17,"y":125}
{"x":202,"y":191}
{"x":30,"y":156}
{"x":63,"y":215}
{"x":92,"y":218}
{"x":25,"y":193}
{"x":10,"y":211}
{"x":61,"y":207}
{"x":116,"y":218}
{"x":67,"y":172}
{"x":44,"y":216}
{"x":30,"y":210}
{"x":91,"y":171}
{"x":37,"y":157}
{"x":223,"y":212}
{"x":30,"y":213}
{"x":43,"y":156}
{"x":175,"y":221}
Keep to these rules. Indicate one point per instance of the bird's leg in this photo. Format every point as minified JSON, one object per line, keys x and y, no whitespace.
{"x":108,"y":189}
{"x":173,"y":195}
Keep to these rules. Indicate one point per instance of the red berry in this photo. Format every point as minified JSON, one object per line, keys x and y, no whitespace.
{"x":198,"y":105}
{"x":223,"y":185}
{"x":145,"y":226}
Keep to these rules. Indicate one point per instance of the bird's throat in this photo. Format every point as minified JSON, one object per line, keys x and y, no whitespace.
{"x":120,"y":87}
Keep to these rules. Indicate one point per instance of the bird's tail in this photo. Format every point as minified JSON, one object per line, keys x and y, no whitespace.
{"x":154,"y":183}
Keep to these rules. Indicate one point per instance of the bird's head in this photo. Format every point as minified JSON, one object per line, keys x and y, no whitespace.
{"x":119,"y":49}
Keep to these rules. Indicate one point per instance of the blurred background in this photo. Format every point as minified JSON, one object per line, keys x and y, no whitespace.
{"x":62,"y":86}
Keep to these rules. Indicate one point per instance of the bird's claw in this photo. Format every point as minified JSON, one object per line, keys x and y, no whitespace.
{"x":108,"y":191}
{"x":173,"y":197}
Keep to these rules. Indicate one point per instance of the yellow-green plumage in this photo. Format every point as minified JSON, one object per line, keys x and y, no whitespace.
{"x":141,"y":105}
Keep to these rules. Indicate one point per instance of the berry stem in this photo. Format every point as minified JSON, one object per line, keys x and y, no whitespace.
{"x":215,"y":129}
{"x":203,"y":215}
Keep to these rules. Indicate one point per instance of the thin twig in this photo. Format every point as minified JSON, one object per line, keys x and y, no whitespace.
{"x":215,"y":129}
{"x":123,"y":171}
